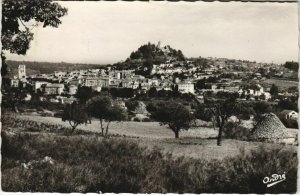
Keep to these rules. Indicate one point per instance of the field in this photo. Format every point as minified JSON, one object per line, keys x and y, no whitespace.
{"x":282,"y":84}
{"x":138,"y":157}
{"x":195,"y":143}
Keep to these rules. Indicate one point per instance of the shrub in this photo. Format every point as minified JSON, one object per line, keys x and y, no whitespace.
{"x":146,"y":120}
{"x":236,"y":131}
{"x":93,"y":164}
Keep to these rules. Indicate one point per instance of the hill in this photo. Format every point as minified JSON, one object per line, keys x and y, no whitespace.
{"x":48,"y":67}
{"x":149,"y":54}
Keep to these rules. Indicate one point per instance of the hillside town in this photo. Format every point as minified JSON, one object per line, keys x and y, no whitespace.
{"x":186,"y":76}
{"x":93,"y":102}
{"x":200,"y":78}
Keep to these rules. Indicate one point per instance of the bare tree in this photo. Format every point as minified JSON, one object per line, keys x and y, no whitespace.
{"x":222,"y":110}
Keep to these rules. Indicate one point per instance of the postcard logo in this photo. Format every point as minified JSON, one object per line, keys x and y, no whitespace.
{"x":274,"y":179}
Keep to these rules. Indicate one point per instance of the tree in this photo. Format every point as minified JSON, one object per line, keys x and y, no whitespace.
{"x":288,"y":104}
{"x":17,"y":21}
{"x":201,"y":84}
{"x":84,"y":94}
{"x":222,"y":110}
{"x":12,"y":97}
{"x":292,"y":65}
{"x":175,"y":115}
{"x":122,"y":92}
{"x":76,"y":114}
{"x":202,"y":113}
{"x":152,"y":92}
{"x":106,"y":110}
{"x":274,"y":91}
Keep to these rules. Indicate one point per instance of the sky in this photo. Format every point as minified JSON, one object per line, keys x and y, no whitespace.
{"x":107,"y":32}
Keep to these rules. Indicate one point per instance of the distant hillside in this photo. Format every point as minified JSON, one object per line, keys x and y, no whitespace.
{"x":156,"y":53}
{"x":48,"y":67}
{"x":149,"y":54}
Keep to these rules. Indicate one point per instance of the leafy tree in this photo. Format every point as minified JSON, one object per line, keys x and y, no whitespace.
{"x":76,"y":114}
{"x":152,"y":92}
{"x":201,"y":84}
{"x":293,"y":89}
{"x":246,"y":111}
{"x":288,"y":104}
{"x":175,"y":115}
{"x":122,"y":92}
{"x":106,"y":110}
{"x":180,"y":55}
{"x":292,"y":66}
{"x":227,"y":95}
{"x":274,"y":91}
{"x":222,"y":110}
{"x":202,"y":113}
{"x":12,"y":97}
{"x":84,"y":94}
{"x":17,"y":22}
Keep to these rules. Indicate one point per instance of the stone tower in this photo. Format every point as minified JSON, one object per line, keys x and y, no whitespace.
{"x":22,"y":71}
{"x":158,"y":44}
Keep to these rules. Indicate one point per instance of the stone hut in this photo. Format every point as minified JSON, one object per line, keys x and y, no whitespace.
{"x":270,"y":129}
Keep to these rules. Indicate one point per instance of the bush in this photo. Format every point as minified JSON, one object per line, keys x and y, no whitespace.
{"x":236,"y":131}
{"x":91,"y":164}
{"x":136,"y":119}
{"x":146,"y":120}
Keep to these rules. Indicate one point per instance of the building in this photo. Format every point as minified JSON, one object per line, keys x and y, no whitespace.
{"x":59,"y":73}
{"x":96,"y":88}
{"x":288,"y":114}
{"x":90,"y":81}
{"x":73,"y":89}
{"x":53,"y":88}
{"x":38,"y":85}
{"x":14,"y":82}
{"x":186,"y":87}
{"x":22,"y":72}
{"x":104,"y":81}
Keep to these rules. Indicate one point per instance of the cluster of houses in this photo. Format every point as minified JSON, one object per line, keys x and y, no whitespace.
{"x":165,"y":76}
{"x":60,"y":82}
{"x":62,"y":86}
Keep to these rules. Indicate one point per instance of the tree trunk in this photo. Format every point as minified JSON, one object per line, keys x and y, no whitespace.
{"x":219,"y":140}
{"x":73,"y":126}
{"x":102,"y":129}
{"x":73,"y":129}
{"x":106,"y":131}
{"x":213,"y":122}
{"x":176,"y":134}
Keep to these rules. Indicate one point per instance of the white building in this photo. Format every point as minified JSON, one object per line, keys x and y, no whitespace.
{"x":288,"y":114}
{"x":73,"y":89}
{"x":186,"y":87}
{"x":54,"y":88}
{"x":14,"y":82}
{"x":38,"y":85}
{"x":22,"y":72}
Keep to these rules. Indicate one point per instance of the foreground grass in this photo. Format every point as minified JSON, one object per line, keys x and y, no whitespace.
{"x":86,"y":163}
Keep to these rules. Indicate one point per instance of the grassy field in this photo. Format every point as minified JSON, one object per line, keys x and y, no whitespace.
{"x":44,"y":157}
{"x":195,"y":143}
{"x":130,"y":128}
{"x":282,"y":84}
{"x":51,"y":162}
